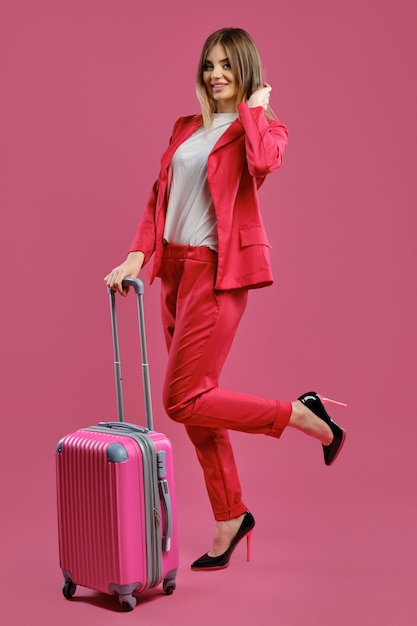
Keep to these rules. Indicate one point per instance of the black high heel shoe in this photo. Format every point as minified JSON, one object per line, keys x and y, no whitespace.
{"x":315,"y":403}
{"x":206,"y":562}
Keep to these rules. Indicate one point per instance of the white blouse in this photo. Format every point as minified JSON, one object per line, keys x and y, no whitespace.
{"x":190,"y":218}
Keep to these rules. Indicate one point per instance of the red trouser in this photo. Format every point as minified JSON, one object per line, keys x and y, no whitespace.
{"x":200,"y":325}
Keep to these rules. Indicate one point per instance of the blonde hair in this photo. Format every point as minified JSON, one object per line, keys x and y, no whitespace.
{"x":245,"y":62}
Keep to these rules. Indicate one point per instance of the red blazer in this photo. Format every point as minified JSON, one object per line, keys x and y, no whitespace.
{"x":247,"y":151}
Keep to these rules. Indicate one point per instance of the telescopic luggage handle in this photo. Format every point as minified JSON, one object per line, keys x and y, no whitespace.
{"x":138,"y":287}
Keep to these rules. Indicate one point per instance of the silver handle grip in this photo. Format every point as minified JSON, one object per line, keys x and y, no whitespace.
{"x":137,"y":285}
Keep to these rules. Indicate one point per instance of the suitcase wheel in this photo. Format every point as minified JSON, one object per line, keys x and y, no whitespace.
{"x":169,"y":587}
{"x":128,"y":602}
{"x":68,"y":589}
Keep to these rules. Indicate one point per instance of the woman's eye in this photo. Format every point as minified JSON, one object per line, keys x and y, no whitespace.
{"x":208,"y":67}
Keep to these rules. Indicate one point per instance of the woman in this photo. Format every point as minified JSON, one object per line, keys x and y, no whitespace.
{"x":204,"y":228}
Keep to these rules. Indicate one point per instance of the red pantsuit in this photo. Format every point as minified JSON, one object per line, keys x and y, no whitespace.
{"x":204,"y":295}
{"x":199,"y":325}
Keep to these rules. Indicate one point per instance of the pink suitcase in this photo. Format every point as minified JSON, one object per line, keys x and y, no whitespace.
{"x":117,"y":524}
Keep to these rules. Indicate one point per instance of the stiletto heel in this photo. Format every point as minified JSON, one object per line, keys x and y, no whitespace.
{"x":207,"y":563}
{"x":329,"y":401}
{"x":315,"y":403}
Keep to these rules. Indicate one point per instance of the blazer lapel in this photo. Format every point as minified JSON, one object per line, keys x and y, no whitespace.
{"x":234,"y":131}
{"x":178,"y":139}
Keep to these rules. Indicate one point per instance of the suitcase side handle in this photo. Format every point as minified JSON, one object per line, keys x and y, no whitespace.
{"x":166,"y":500}
{"x":138,"y":287}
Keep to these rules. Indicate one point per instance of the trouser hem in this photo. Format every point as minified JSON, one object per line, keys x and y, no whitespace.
{"x":235,"y":511}
{"x":284,"y":410}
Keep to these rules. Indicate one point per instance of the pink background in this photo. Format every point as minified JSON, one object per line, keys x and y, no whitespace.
{"x":89,"y":92}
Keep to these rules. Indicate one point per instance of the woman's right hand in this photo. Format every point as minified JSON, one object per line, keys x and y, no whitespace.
{"x":260,"y":97}
{"x":131,"y":267}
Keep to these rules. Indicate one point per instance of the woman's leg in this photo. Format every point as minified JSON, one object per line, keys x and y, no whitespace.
{"x":205,"y":326}
{"x":212,"y":445}
{"x":200,"y":326}
{"x":216,"y":458}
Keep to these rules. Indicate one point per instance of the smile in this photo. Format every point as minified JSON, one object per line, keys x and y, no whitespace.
{"x":219,"y":86}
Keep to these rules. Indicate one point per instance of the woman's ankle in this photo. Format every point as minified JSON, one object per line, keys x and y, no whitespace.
{"x":304,"y":420}
{"x":224,"y":533}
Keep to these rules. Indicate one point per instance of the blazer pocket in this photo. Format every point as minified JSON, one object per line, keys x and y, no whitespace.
{"x":253,"y":236}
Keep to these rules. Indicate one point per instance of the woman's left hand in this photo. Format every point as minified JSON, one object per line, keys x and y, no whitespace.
{"x":260,"y":97}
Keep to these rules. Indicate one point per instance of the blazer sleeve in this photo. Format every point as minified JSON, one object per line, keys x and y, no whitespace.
{"x":265,"y":140}
{"x":144,"y":239}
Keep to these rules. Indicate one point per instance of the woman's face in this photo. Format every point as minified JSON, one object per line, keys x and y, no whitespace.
{"x":220,"y":80}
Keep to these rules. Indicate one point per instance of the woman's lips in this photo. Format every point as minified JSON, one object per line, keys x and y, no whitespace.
{"x":219,"y":86}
